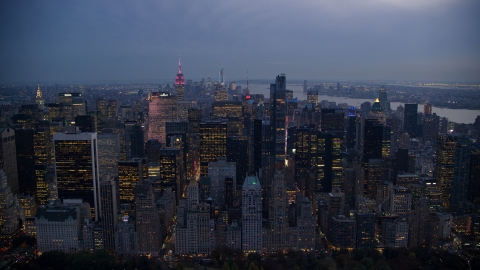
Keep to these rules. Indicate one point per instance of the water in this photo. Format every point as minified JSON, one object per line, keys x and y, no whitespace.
{"x":454,"y":115}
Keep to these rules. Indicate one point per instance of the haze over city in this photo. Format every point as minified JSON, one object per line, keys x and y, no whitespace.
{"x":123,"y":41}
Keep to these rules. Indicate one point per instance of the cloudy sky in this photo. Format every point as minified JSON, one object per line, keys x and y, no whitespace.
{"x":121,"y":41}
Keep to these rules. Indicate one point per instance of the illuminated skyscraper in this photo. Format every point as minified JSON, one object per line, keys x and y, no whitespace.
{"x":129,"y":174}
{"x":277,"y":117}
{"x":171,"y":172}
{"x":39,"y":98}
{"x":445,"y":165}
{"x":221,"y":93}
{"x":179,"y":83}
{"x":76,"y":166}
{"x":213,"y":143}
{"x":161,"y":109}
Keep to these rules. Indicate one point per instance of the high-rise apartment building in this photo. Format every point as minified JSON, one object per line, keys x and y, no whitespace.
{"x":278,"y":112}
{"x":76,"y":168}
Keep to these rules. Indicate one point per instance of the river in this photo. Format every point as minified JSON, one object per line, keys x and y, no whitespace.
{"x":454,"y":115}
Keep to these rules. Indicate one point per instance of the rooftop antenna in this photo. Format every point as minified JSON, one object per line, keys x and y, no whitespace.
{"x":247,"y":92}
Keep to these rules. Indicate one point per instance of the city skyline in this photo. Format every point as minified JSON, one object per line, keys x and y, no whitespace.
{"x":120,"y":41}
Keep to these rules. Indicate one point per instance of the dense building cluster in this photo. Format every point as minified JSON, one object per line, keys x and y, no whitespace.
{"x":203,"y":166}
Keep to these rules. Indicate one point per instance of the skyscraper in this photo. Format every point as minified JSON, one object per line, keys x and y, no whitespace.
{"x":277,"y":117}
{"x":410,"y":119}
{"x":445,"y":165}
{"x":108,"y":198}
{"x":8,"y":157}
{"x":76,"y":167}
{"x":161,"y":109}
{"x":213,"y":143}
{"x":39,"y":97}
{"x":179,"y":83}
{"x":251,"y":215}
{"x":383,"y":97}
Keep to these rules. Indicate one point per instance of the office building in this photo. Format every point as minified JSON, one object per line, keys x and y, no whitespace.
{"x":108,"y":153}
{"x":8,"y":157}
{"x":76,"y":167}
{"x":108,"y":203}
{"x":383,"y":98}
{"x":212,"y":142}
{"x":445,"y":166}
{"x":25,"y":161}
{"x":161,"y":109}
{"x":129,"y":174}
{"x":179,"y":83}
{"x":410,"y":119}
{"x":172,"y":172}
{"x":460,"y":176}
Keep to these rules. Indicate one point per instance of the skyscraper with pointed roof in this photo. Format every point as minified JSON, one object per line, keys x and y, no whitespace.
{"x":39,"y":97}
{"x":179,"y":82}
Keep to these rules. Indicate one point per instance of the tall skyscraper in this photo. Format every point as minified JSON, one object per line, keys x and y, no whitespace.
{"x":278,"y":112}
{"x":76,"y":167}
{"x":179,"y":83}
{"x":251,"y":215}
{"x":445,"y":165}
{"x":108,"y":202}
{"x":8,"y":157}
{"x":213,"y":143}
{"x":383,"y":98}
{"x":410,"y":119}
{"x":129,"y":174}
{"x":460,"y":176}
{"x":25,"y":161}
{"x":161,"y":109}
{"x":39,"y":97}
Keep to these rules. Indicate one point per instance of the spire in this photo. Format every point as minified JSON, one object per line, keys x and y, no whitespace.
{"x":247,"y":92}
{"x":179,"y":66}
{"x":179,"y":79}
{"x":39,"y":96}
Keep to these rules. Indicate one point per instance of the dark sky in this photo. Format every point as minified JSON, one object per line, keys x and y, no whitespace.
{"x":121,"y":41}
